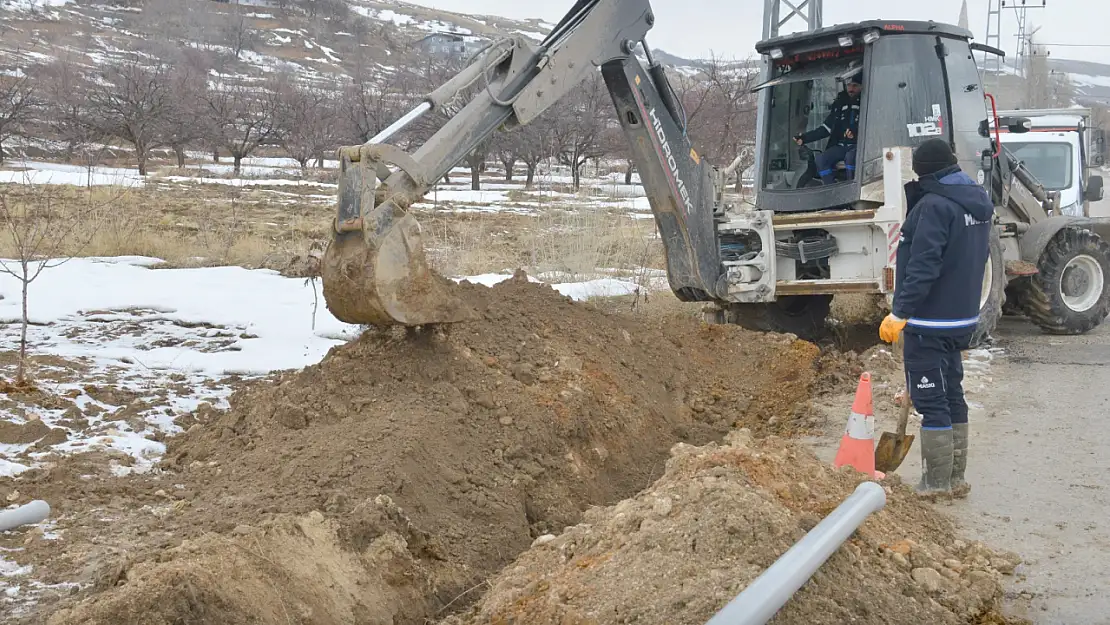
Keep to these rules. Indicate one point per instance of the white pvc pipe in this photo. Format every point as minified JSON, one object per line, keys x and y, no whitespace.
{"x":34,"y":512}
{"x":771,"y":590}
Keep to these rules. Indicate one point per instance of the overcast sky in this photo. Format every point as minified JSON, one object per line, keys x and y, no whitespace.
{"x":730,"y":28}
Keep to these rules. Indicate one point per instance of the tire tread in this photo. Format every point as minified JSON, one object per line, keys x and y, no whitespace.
{"x":1040,"y":298}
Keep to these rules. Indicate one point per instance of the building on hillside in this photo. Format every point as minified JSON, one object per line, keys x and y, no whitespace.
{"x":447,"y":44}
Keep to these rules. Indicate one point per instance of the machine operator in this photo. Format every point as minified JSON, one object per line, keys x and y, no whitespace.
{"x":842,"y":125}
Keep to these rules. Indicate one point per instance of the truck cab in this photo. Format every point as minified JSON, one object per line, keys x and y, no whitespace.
{"x":1062,"y":151}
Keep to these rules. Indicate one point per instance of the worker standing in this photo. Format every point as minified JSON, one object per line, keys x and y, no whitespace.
{"x":842,"y":126}
{"x":942,"y":254}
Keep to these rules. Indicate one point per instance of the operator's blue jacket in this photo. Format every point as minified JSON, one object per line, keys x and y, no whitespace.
{"x":942,"y":254}
{"x":844,"y":116}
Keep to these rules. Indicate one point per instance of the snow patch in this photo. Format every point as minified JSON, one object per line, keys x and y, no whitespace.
{"x":37,"y":172}
{"x":266,"y":321}
{"x":31,"y":5}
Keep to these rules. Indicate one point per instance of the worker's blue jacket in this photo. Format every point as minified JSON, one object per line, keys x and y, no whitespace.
{"x":844,"y":116}
{"x":942,"y":253}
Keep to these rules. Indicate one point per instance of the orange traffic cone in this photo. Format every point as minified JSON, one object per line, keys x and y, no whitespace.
{"x":857,"y":446}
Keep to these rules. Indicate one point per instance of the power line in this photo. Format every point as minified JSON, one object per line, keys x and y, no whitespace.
{"x":1076,"y":45}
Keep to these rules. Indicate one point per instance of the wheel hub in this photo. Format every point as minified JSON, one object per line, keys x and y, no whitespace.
{"x":1082,"y":282}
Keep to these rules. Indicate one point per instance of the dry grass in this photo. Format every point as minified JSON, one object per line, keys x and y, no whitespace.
{"x":574,"y":244}
{"x":194,"y":225}
{"x":191,"y":225}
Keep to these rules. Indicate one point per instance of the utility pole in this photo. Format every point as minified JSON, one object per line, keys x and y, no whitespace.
{"x":1023,"y":34}
{"x":806,"y":13}
{"x":995,"y":8}
{"x":992,"y":62}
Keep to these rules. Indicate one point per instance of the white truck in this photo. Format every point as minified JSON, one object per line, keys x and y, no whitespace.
{"x":1063,"y":151}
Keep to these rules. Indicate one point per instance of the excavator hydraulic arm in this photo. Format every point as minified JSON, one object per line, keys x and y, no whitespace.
{"x":375,"y":271}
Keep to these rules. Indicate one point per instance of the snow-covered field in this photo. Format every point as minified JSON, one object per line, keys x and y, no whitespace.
{"x":165,"y":340}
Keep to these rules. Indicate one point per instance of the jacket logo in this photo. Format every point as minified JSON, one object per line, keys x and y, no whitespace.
{"x":925,"y":383}
{"x":969,"y":220}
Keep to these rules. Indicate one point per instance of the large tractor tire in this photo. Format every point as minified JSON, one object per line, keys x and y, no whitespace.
{"x":993,"y":294}
{"x":1070,"y":293}
{"x":802,"y":315}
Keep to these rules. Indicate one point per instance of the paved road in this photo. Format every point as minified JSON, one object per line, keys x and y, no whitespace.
{"x":1039,"y":465}
{"x":1038,"y":462}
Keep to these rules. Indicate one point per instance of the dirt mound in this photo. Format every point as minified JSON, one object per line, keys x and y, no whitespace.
{"x":308,"y":569}
{"x":486,"y":435}
{"x":683,"y":548}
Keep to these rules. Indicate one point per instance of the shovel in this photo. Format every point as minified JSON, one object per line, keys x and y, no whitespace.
{"x":894,"y":446}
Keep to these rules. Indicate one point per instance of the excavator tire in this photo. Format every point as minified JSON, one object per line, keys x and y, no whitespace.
{"x":802,"y":315}
{"x":994,"y":293}
{"x":1070,"y":293}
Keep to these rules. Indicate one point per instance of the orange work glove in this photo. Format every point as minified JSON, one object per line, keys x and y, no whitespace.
{"x":891,"y":328}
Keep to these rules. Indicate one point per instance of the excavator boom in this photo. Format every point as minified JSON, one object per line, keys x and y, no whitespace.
{"x":374,"y":270}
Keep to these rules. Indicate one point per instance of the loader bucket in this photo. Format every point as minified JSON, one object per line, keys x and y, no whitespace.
{"x":374,"y":269}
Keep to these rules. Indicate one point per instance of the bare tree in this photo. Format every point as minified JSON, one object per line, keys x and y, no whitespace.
{"x":44,"y":231}
{"x":132,"y":103}
{"x":580,"y":127}
{"x":240,"y":119}
{"x":724,"y":117}
{"x":306,"y":120}
{"x":332,"y":9}
{"x":476,"y":160}
{"x":17,"y":98}
{"x":183,"y":122}
{"x":179,"y":24}
{"x":503,"y":146}
{"x":238,"y":34}
{"x":374,"y":100}
{"x":68,"y":115}
{"x":532,"y":144}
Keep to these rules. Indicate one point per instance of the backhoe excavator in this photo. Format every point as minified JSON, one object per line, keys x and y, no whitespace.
{"x":772,"y":266}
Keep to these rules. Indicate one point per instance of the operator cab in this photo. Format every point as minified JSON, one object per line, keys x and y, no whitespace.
{"x":911,"y":77}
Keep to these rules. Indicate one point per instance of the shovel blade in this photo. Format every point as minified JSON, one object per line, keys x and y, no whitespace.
{"x":891,"y":451}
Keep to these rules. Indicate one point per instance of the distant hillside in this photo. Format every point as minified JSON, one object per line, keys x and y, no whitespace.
{"x":1091,"y":81}
{"x":318,"y":39}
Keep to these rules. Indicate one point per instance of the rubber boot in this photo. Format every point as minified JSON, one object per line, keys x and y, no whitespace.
{"x":960,"y":487}
{"x":936,"y":463}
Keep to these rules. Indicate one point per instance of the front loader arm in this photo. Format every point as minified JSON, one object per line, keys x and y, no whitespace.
{"x":374,"y":270}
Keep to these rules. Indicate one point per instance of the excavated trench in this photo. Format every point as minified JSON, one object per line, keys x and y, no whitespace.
{"x":386,"y":483}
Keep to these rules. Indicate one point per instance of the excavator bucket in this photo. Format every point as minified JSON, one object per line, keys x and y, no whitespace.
{"x":374,"y":270}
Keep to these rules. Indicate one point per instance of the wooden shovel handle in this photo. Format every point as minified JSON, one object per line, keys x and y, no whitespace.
{"x":904,"y":409}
